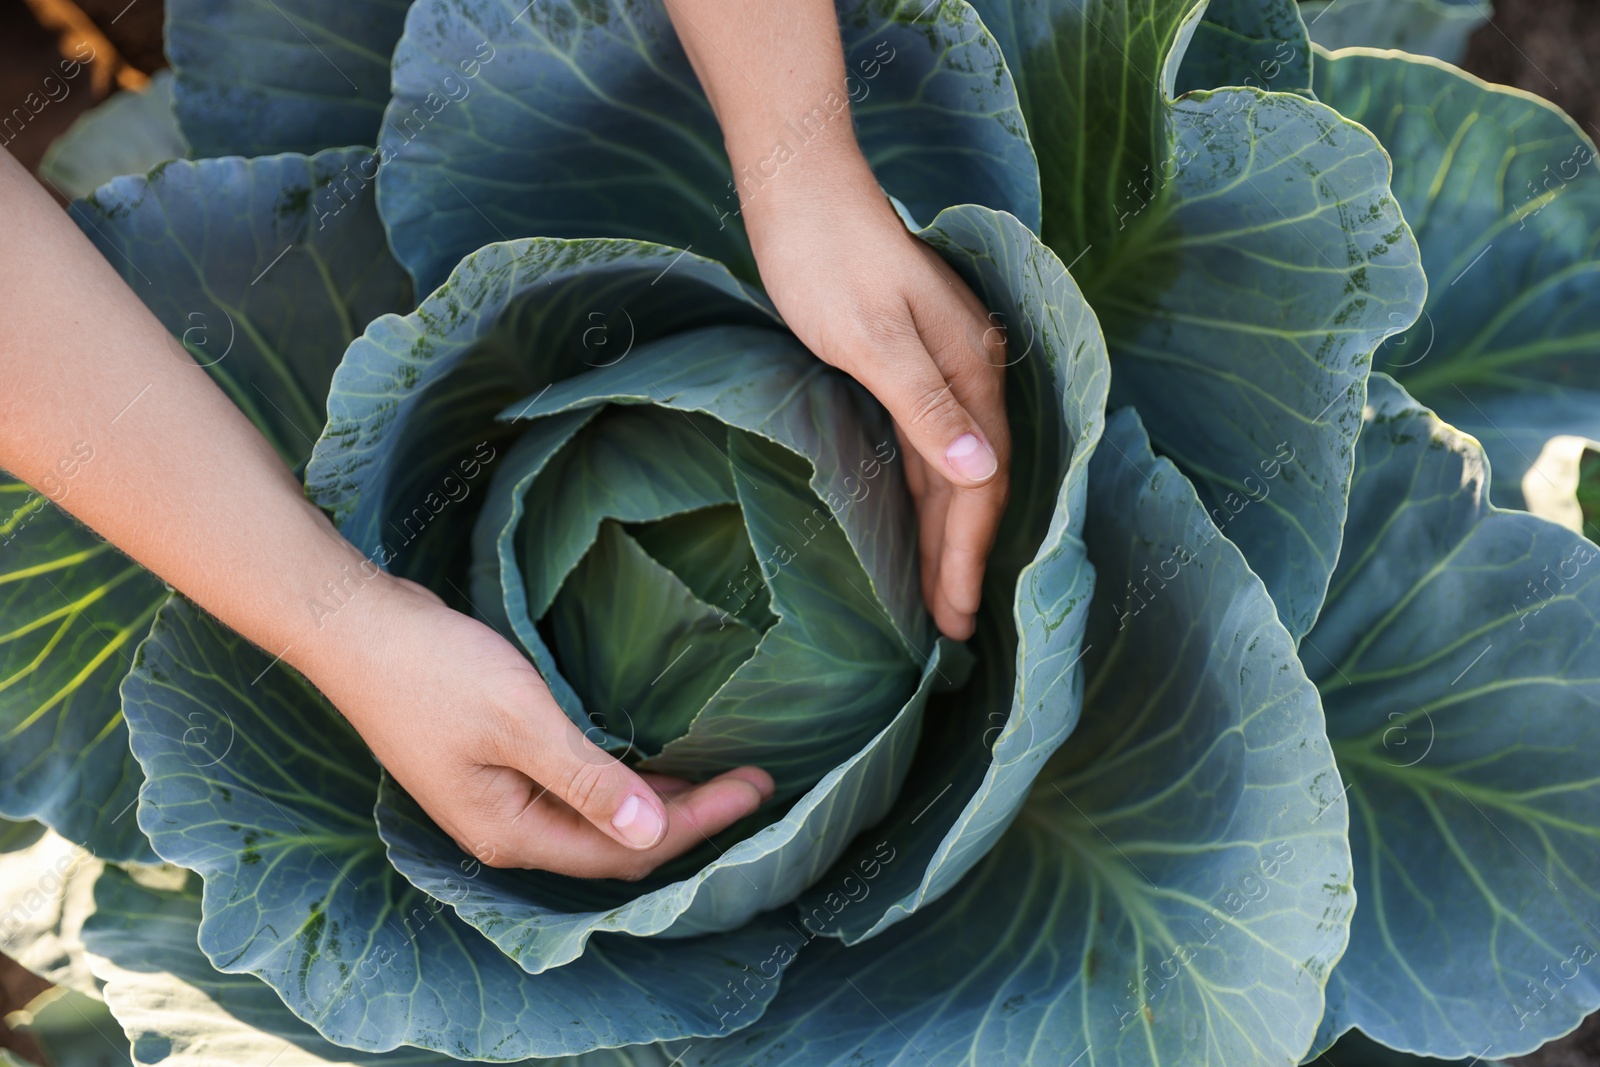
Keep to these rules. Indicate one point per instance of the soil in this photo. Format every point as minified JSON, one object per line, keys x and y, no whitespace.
{"x":1548,"y":47}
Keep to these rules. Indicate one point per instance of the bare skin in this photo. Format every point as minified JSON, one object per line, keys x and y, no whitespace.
{"x":185,"y":485}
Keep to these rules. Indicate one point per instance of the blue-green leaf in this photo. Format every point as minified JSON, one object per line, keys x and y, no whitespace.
{"x":583,"y":118}
{"x":178,"y":1010}
{"x":74,"y":608}
{"x":298,"y":890}
{"x":265,"y":269}
{"x":1242,"y":252}
{"x":258,"y":77}
{"x":414,"y":401}
{"x":1503,"y":191}
{"x":1438,"y":28}
{"x":1259,"y":43}
{"x":128,"y":134}
{"x":19,"y":835}
{"x":546,"y":503}
{"x":1459,"y":663}
{"x":1177,"y":885}
{"x":623,"y":623}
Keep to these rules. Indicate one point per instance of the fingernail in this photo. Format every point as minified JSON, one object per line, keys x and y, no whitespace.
{"x":971,"y":459}
{"x":638,"y":822}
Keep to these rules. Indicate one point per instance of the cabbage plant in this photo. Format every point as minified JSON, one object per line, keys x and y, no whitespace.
{"x":1438,"y":28}
{"x":478,"y":274}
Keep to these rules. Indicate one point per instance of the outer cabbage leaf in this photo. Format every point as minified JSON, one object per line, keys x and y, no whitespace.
{"x":415,"y":394}
{"x":1244,"y":256}
{"x":1503,"y":191}
{"x":587,"y":121}
{"x":128,"y":134}
{"x":19,"y":835}
{"x":1178,"y":884}
{"x":73,"y":610}
{"x":1259,"y":43}
{"x":299,"y":893}
{"x":265,"y":269}
{"x":1457,"y":659}
{"x":1438,"y":28}
{"x":258,"y":77}
{"x":178,"y":1010}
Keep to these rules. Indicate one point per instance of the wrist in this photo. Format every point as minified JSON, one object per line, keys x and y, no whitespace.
{"x":330,"y":618}
{"x":782,"y":176}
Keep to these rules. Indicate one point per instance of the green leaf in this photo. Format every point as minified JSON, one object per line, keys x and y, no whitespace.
{"x":19,"y":835}
{"x":830,"y":673}
{"x":710,"y":551}
{"x":583,"y":118}
{"x":128,"y":134}
{"x":1177,"y":885}
{"x":299,"y":893}
{"x":1242,"y":252}
{"x":1438,"y":28}
{"x":259,"y":77}
{"x":1503,"y":192}
{"x":178,"y":1010}
{"x":837,"y":664}
{"x":1457,"y":663}
{"x":74,"y":1028}
{"x":1259,"y":43}
{"x":73,"y":610}
{"x":546,"y":504}
{"x":265,"y":269}
{"x":46,"y":893}
{"x":622,"y":621}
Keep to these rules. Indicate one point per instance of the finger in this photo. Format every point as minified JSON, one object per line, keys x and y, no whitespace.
{"x":666,"y":784}
{"x":916,"y":470}
{"x":547,"y":747}
{"x":896,"y":367}
{"x":969,"y":532}
{"x":971,"y":353}
{"x":548,"y":834}
{"x":930,"y":541}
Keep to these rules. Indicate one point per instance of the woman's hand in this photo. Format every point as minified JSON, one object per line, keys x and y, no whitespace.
{"x":868,"y":297}
{"x":465,"y":723}
{"x":851,"y":280}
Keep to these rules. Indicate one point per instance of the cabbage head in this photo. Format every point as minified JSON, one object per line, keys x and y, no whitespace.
{"x":477,"y":271}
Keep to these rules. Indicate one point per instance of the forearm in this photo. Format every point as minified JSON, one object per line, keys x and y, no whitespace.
{"x":104,"y":413}
{"x":775,"y":76}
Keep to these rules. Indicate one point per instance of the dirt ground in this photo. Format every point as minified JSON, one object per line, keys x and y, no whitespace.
{"x":1548,"y":47}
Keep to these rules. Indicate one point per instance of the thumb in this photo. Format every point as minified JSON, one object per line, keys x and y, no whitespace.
{"x":597,"y":785}
{"x":930,"y":414}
